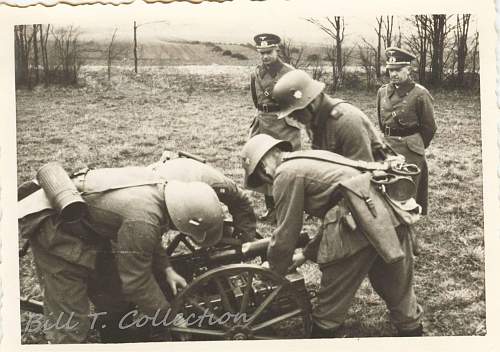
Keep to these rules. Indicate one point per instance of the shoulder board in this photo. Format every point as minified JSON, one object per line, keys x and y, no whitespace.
{"x":422,"y":89}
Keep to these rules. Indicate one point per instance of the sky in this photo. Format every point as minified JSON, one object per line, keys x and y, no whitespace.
{"x":231,"y":21}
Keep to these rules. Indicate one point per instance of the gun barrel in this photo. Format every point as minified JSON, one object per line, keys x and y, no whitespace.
{"x":248,"y":250}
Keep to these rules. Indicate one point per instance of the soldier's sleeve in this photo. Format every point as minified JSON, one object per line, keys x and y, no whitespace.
{"x":252,"y":89}
{"x":160,"y":258}
{"x":135,"y":248}
{"x":288,"y":192}
{"x":353,"y":140}
{"x":425,"y":112}
{"x":240,"y":208}
{"x":379,"y":117}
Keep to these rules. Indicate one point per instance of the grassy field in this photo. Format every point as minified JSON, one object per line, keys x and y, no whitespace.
{"x":207,"y":111}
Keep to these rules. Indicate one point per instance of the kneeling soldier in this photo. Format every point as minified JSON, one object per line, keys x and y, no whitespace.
{"x":113,"y":255}
{"x":303,"y":182}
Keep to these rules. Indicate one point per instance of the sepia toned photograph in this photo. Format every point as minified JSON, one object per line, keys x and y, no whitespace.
{"x":230,"y":171}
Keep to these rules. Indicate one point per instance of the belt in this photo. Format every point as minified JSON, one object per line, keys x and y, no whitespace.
{"x":268,"y":107}
{"x":398,"y":132}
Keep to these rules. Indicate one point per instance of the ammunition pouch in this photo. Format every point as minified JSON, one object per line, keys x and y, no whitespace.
{"x":340,"y":235}
{"x":373,"y":215}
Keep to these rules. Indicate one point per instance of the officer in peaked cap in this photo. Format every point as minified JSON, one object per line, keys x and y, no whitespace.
{"x":266,"y":41}
{"x":397,"y":57}
{"x":406,"y":116}
{"x":262,"y":81}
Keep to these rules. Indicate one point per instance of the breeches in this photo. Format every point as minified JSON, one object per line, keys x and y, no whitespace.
{"x":392,"y":282}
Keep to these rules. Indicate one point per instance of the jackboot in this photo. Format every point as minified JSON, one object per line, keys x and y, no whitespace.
{"x":318,"y":332}
{"x":418,"y":331}
{"x":270,"y":214}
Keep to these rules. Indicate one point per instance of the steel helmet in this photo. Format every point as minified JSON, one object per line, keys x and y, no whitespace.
{"x":253,"y":151}
{"x":195,"y":210}
{"x":294,"y":91}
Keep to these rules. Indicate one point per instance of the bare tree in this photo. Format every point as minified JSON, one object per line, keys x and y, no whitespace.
{"x":23,"y":39}
{"x":368,"y":61}
{"x":388,"y":26}
{"x":67,"y":54}
{"x":113,"y":51}
{"x":461,"y":32}
{"x":43,"y":51}
{"x":292,"y":54}
{"x":419,"y":43}
{"x":439,"y":31}
{"x":334,"y":28}
{"x":35,"y":53}
{"x":376,"y":50}
{"x":475,"y":53}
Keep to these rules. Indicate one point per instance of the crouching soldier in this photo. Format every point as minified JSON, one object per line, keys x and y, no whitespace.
{"x":237,"y":202}
{"x":349,"y":247}
{"x":101,"y":241}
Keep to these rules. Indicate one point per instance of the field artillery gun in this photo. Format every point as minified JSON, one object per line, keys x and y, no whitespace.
{"x":227,"y":299}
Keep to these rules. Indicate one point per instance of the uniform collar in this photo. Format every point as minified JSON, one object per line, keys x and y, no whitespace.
{"x":272,"y":69}
{"x":402,"y":89}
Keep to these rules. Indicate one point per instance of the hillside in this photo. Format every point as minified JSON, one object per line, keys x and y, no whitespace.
{"x":166,"y":53}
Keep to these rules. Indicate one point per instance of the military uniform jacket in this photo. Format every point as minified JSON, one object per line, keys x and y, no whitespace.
{"x":237,"y":202}
{"x":305,"y":185}
{"x":263,"y":80}
{"x":407,"y":108}
{"x":342,"y":128}
{"x":133,"y":219}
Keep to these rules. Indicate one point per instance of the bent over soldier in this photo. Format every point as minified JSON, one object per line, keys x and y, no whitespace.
{"x":262,"y":82}
{"x":406,"y":117}
{"x":237,"y":202}
{"x":303,"y":182}
{"x":113,"y":256}
{"x":331,"y":123}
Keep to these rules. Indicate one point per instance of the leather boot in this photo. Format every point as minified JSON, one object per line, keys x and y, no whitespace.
{"x":270,"y":214}
{"x":418,"y":331}
{"x":318,"y":332}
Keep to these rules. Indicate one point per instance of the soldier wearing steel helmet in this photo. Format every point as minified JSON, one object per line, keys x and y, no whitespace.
{"x":406,"y":116}
{"x":302,"y":183}
{"x":262,"y":81}
{"x":332,"y":123}
{"x":228,"y":192}
{"x":113,"y":255}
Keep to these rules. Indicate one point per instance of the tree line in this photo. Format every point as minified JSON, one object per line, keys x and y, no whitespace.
{"x":446,"y":50}
{"x":447,"y":53}
{"x":40,"y":60}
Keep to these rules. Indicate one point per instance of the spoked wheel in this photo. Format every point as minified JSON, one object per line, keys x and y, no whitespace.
{"x":241,"y":302}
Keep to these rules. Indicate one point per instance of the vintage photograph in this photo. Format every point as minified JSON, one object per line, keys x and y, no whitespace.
{"x":235,"y":172}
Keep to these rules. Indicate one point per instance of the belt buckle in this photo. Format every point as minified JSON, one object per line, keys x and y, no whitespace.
{"x":265,"y":108}
{"x":387,"y":131}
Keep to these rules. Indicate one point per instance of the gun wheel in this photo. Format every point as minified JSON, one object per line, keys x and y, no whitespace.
{"x":241,"y":302}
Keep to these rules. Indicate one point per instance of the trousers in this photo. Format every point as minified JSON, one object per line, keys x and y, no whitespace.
{"x":70,"y":283}
{"x":392,"y":282}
